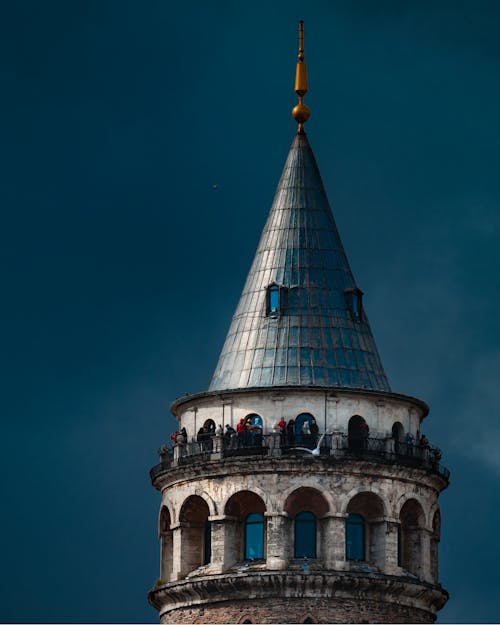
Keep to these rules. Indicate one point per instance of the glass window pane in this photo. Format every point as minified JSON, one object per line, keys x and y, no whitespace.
{"x":254,"y":537}
{"x":274,"y":299}
{"x":305,"y":535}
{"x":355,"y":537}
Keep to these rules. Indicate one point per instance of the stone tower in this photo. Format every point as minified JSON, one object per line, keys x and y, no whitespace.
{"x":302,"y":489}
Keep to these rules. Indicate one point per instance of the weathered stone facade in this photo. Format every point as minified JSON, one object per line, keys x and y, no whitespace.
{"x":397,"y":581}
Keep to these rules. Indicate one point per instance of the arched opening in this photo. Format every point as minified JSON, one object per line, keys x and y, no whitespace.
{"x":398,"y":435}
{"x":435,"y":538}
{"x":305,"y":535}
{"x":358,"y":432}
{"x":246,"y":528}
{"x":307,"y":507}
{"x":308,"y":619}
{"x":412,"y":521}
{"x":306,"y":430}
{"x":253,"y":430}
{"x":195,"y":534}
{"x":210,"y":426}
{"x":365,"y":529}
{"x":166,"y":545}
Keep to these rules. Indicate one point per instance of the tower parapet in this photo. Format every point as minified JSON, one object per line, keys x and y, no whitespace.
{"x":301,"y":488}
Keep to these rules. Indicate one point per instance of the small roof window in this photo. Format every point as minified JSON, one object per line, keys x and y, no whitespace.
{"x":274,"y":300}
{"x":354,"y":301}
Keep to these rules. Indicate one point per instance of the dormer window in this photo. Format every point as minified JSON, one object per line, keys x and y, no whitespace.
{"x":274,"y":298}
{"x":354,"y":301}
{"x":274,"y":302}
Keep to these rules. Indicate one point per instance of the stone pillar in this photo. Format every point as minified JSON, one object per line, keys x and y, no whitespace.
{"x":278,"y":541}
{"x":176,"y":551}
{"x":227,"y":546}
{"x":217,"y":556}
{"x":426,"y":536}
{"x":391,"y":548}
{"x":275,"y":443}
{"x":333,"y":541}
{"x":166,"y":555}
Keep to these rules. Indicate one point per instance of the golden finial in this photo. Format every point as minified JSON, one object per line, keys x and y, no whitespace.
{"x":301,"y":112}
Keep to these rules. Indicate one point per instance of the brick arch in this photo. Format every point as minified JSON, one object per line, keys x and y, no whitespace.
{"x":256,"y":490}
{"x":326,"y":494}
{"x":164,"y":506}
{"x":347,"y":498}
{"x":194,"y":509}
{"x":432,"y":512}
{"x":423,"y":504}
{"x":306,"y":498}
{"x":212,"y":506}
{"x":244,"y":502}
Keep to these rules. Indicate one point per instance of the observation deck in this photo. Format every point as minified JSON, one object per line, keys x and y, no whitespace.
{"x":330,"y":449}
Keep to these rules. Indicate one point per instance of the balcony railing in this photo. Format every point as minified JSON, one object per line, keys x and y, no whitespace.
{"x":336,"y":446}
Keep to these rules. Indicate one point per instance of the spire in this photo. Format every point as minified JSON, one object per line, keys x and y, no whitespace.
{"x":300,"y":319}
{"x":301,"y":112}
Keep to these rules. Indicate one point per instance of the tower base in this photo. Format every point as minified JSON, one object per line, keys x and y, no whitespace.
{"x":286,"y":597}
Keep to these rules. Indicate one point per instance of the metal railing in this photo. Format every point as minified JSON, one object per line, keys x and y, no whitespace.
{"x":336,"y":446}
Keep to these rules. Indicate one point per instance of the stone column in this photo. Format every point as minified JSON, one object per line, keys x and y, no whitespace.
{"x":176,"y":551}
{"x":391,"y":548}
{"x":226,"y":543}
{"x":426,"y":537}
{"x":278,"y":541}
{"x":166,"y":555}
{"x":333,"y":541}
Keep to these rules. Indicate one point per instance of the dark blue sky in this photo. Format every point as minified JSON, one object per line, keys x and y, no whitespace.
{"x":122,"y":265}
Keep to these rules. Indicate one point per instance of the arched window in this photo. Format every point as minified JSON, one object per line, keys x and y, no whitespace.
{"x":358,"y":432}
{"x":398,"y":434}
{"x":305,"y":535}
{"x":194,"y":527}
{"x":355,"y":537}
{"x":412,"y":520}
{"x":210,"y":425}
{"x":354,"y":301}
{"x":254,"y":536}
{"x":306,"y":430}
{"x":254,"y":420}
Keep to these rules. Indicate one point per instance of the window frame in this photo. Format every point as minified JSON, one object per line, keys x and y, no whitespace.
{"x":246,"y":545}
{"x":354,"y":301}
{"x":359,"y":522}
{"x":296,"y":525}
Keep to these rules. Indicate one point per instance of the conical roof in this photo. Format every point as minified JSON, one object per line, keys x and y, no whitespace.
{"x":300,"y":321}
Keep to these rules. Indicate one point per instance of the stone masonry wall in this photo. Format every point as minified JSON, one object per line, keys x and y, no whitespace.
{"x":290,"y":610}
